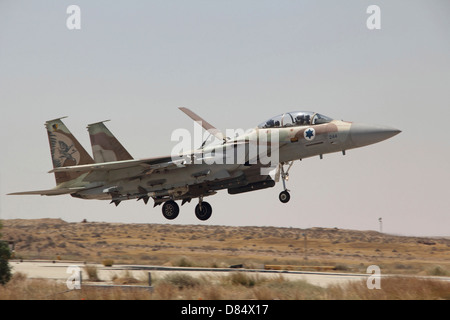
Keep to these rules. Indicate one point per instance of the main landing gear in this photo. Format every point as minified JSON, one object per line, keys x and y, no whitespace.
{"x":170,"y":210}
{"x":284,"y":195}
{"x":203,"y":210}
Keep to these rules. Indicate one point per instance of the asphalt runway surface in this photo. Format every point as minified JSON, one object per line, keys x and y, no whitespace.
{"x":62,"y":270}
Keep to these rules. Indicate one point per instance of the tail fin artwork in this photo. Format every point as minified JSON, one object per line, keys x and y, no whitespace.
{"x":65,"y":150}
{"x":105,"y":146}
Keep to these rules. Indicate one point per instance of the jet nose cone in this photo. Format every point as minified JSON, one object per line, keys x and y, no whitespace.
{"x":365,"y":134}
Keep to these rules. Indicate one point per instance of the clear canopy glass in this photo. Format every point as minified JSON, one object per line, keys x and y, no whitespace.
{"x":295,"y":118}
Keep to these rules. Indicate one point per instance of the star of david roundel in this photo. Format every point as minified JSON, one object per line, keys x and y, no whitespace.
{"x":309,"y":134}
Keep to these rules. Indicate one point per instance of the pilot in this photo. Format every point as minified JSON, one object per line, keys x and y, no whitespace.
{"x":300,"y":119}
{"x":277,"y":123}
{"x":269,"y":124}
{"x":307,"y":119}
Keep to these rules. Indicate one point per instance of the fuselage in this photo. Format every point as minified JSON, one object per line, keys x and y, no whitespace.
{"x":238,"y":162}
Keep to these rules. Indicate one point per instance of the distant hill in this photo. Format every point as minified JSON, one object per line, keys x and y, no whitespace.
{"x":201,"y":245}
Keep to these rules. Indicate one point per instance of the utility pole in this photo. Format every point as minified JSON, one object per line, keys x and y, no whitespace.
{"x":381,"y":224}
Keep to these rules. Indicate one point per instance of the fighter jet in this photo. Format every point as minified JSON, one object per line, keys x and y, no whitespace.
{"x":251,"y":161}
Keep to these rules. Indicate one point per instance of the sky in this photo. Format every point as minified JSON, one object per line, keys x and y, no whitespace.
{"x":235,"y":63}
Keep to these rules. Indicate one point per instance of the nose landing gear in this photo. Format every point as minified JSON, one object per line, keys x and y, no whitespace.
{"x":284,"y":195}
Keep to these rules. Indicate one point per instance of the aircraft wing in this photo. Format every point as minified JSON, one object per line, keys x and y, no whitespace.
{"x":145,"y":164}
{"x":49,"y":192}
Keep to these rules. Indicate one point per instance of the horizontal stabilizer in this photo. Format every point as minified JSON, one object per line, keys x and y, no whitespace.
{"x":50,"y":192}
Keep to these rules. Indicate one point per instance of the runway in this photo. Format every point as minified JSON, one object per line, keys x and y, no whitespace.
{"x":61,"y":270}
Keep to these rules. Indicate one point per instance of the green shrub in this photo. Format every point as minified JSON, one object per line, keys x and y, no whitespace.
{"x":438,"y":271}
{"x":5,"y":255}
{"x":108,"y":262}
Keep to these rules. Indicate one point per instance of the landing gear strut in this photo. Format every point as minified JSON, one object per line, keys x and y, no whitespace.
{"x":284,"y":195}
{"x":170,"y":210}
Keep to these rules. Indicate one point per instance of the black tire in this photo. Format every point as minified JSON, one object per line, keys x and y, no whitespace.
{"x":170,"y":210}
{"x":204,"y":212}
{"x":284,"y":196}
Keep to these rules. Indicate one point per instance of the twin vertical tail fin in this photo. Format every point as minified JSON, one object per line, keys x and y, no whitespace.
{"x":105,"y":147}
{"x":65,"y":150}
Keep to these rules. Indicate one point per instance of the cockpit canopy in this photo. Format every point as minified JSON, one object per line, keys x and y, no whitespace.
{"x":295,"y":118}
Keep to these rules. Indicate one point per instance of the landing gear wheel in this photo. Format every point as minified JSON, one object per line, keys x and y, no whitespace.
{"x":170,"y":210}
{"x":284,"y":196}
{"x":203,"y":211}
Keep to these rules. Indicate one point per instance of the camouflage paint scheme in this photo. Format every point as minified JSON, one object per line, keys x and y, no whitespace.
{"x":114,"y":175}
{"x":105,"y":147}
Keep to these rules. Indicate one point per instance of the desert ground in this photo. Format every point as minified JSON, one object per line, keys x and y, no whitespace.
{"x":248,"y":247}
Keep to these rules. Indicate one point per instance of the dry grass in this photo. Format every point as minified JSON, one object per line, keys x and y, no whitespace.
{"x":396,"y":288}
{"x":232,"y":287}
